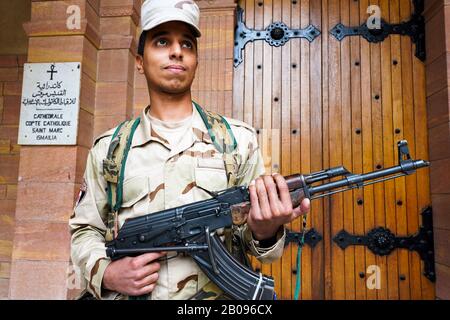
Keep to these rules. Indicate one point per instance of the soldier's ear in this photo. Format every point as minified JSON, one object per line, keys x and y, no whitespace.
{"x":140,"y":64}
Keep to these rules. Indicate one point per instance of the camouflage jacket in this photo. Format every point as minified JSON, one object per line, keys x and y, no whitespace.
{"x":157,"y":178}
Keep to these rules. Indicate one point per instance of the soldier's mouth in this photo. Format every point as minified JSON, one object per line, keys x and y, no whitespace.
{"x":175,"y":68}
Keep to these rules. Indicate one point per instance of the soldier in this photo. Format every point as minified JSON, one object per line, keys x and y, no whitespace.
{"x":172,"y":161}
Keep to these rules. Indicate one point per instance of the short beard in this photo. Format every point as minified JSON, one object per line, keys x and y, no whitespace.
{"x":177,"y":91}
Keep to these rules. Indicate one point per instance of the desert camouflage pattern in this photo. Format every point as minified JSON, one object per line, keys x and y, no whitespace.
{"x":210,"y":292}
{"x":223,"y":144}
{"x":158,"y":177}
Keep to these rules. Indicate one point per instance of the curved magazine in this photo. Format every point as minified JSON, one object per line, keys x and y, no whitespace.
{"x":236,"y":280}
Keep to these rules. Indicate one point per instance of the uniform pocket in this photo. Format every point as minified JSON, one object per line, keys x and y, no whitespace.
{"x":210,"y":163}
{"x":134,"y":189}
{"x":210,"y":174}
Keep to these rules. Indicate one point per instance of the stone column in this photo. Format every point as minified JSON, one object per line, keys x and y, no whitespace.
{"x":119,"y":21}
{"x":12,"y":57}
{"x":437,"y":15}
{"x":11,"y":70}
{"x":50,"y":176}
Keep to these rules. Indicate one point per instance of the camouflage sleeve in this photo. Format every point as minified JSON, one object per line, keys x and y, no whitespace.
{"x":251,"y":168}
{"x":88,"y":228}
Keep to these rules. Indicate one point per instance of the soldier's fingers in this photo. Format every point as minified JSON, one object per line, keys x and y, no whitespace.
{"x":305,"y":205}
{"x":283,"y":190}
{"x":145,"y":290}
{"x":302,"y":209}
{"x":152,"y":278}
{"x":146,"y":258}
{"x":272,"y":193}
{"x":262,"y":197}
{"x":147,"y":270}
{"x":297,"y":212}
{"x":255,"y":211}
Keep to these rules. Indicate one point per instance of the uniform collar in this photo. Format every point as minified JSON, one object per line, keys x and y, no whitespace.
{"x":144,"y":133}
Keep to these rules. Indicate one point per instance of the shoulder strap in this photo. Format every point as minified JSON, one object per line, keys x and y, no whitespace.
{"x":218,"y":129}
{"x":114,"y":170}
{"x":223,"y":138}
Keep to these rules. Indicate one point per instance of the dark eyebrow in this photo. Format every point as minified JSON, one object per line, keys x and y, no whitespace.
{"x":165,"y":33}
{"x":189,"y":36}
{"x":158,"y":34}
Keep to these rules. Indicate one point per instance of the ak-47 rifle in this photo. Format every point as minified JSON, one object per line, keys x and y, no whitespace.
{"x":192,"y":227}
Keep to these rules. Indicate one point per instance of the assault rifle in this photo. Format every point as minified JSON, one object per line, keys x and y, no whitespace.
{"x":191,"y":228}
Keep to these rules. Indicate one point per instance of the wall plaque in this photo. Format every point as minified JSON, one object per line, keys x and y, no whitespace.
{"x":50,"y":104}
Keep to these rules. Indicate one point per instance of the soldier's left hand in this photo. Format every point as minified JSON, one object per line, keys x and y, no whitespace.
{"x":271,"y":206}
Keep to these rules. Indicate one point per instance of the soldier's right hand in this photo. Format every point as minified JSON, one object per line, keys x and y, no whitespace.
{"x":133,"y":276}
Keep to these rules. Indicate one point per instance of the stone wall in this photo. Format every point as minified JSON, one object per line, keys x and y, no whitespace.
{"x":437,"y":15}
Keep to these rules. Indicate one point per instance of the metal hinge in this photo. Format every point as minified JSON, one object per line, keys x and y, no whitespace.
{"x":415,"y":28}
{"x":276,"y":34}
{"x":382,"y":242}
{"x":312,"y":237}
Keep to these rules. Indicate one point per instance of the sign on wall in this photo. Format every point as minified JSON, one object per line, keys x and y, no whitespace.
{"x":50,"y":104}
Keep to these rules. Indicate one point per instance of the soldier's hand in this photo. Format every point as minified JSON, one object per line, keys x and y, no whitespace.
{"x":271,"y":208}
{"x":133,"y":276}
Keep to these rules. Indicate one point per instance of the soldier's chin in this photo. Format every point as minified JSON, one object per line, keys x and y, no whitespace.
{"x":176,"y":89}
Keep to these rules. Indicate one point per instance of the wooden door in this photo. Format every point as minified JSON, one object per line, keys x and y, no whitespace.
{"x":328,"y":103}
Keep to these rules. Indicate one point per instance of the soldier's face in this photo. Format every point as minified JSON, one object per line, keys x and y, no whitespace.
{"x":170,"y":58}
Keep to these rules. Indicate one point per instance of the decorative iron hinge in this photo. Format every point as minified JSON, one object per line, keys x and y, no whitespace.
{"x":382,"y":242}
{"x":415,"y":28}
{"x":312,"y":237}
{"x":276,"y":34}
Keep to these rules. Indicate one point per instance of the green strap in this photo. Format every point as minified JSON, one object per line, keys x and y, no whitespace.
{"x":119,"y":196}
{"x":114,"y":169}
{"x":298,"y":281}
{"x":209,"y":119}
{"x":116,"y":132}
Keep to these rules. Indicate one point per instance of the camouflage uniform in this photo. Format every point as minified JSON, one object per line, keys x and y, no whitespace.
{"x":157,"y":178}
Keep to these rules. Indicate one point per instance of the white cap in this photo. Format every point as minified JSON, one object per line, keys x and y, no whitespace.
{"x":156,"y":12}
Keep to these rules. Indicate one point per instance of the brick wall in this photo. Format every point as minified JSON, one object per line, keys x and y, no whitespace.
{"x":40,"y":259}
{"x":11,"y":71}
{"x":437,"y":17}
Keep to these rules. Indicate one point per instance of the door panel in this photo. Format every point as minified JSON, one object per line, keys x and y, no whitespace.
{"x":328,"y":103}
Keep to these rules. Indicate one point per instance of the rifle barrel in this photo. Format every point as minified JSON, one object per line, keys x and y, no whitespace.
{"x":359,"y":179}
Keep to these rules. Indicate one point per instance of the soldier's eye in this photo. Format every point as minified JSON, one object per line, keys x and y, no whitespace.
{"x":188,"y":44}
{"x":161,"y":42}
